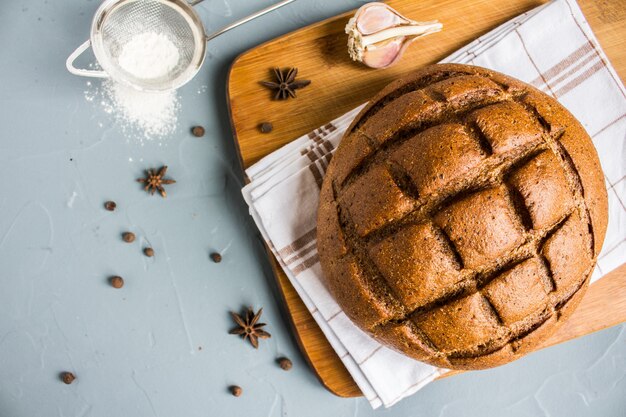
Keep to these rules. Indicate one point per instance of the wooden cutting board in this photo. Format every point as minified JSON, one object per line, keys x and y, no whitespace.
{"x":338,"y":85}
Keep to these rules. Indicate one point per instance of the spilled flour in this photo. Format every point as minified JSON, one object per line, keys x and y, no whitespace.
{"x":140,"y":115}
{"x":155,"y":114}
{"x":143,"y":115}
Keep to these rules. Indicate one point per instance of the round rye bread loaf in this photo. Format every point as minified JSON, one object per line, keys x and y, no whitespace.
{"x":461,"y":217}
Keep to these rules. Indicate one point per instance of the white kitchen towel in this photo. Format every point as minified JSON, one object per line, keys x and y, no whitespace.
{"x":550,"y":47}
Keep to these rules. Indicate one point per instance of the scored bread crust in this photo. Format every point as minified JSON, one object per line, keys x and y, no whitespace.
{"x":461,"y":217}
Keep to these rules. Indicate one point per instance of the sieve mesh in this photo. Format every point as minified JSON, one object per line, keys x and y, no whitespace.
{"x":133,"y":17}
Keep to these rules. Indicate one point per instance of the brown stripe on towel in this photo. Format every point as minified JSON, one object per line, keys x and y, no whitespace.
{"x":323,"y":164}
{"x":298,"y":244}
{"x":564,"y":76}
{"x":306,"y":264}
{"x":326,"y":160}
{"x":579,"y":79}
{"x":319,"y":151}
{"x":327,"y":145}
{"x":301,"y":254}
{"x":312,"y":155}
{"x":317,"y":174}
{"x":563,"y":64}
{"x":278,"y":258}
{"x":617,"y":83}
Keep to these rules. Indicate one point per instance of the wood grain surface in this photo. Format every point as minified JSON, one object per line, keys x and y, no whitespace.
{"x":338,"y":85}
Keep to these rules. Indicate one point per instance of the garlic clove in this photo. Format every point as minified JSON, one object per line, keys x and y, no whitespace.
{"x":383,"y":56}
{"x":374,"y":17}
{"x":378,"y":35}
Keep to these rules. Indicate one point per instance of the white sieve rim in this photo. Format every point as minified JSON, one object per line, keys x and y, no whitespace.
{"x":184,"y":9}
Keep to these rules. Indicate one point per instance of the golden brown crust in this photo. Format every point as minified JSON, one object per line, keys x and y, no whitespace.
{"x":581,"y":152}
{"x":461,"y":217}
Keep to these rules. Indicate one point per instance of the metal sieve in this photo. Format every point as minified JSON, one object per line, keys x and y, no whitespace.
{"x":116,"y":22}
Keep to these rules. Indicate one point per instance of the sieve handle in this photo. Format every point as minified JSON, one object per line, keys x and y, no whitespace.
{"x":80,"y":71}
{"x":245,"y":19}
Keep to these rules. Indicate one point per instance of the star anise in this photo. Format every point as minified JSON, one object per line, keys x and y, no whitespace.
{"x":249,"y":328}
{"x":286,"y":83}
{"x":155,"y":181}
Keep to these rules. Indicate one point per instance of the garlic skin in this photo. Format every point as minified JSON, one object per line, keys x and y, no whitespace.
{"x":378,"y":35}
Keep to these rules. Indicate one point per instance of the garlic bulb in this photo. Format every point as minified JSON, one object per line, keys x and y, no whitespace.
{"x":378,"y":35}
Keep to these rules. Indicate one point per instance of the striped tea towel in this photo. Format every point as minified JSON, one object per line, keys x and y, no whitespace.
{"x":550,"y":47}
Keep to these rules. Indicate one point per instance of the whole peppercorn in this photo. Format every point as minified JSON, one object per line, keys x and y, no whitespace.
{"x":67,"y":377}
{"x":197,"y":131}
{"x":285,"y":363}
{"x":216,"y":257}
{"x":236,"y":390}
{"x":116,"y":281}
{"x":266,"y":127}
{"x":128,"y":237}
{"x":110,"y":205}
{"x":149,"y":252}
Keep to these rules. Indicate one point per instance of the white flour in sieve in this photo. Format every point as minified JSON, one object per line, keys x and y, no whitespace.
{"x":149,"y":55}
{"x":150,"y":114}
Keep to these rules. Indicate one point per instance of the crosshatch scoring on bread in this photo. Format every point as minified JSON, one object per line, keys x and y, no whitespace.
{"x":461,"y":217}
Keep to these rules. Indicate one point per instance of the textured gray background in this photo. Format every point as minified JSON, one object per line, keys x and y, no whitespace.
{"x":136,"y":350}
